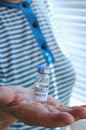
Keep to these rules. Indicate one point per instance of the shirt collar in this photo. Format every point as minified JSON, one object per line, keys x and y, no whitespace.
{"x":15,"y":5}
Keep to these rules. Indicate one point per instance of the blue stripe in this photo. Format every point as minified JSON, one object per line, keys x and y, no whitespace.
{"x":16,"y":43}
{"x":9,"y":70}
{"x":8,"y":45}
{"x":16,"y":34}
{"x":19,"y":62}
{"x":14,"y":29}
{"x":13,"y":13}
{"x":68,"y":80}
{"x":12,"y":21}
{"x":16,"y":53}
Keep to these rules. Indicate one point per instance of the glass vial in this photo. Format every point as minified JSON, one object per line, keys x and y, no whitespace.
{"x":42,"y":84}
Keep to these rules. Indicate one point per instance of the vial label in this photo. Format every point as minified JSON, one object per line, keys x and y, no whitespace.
{"x":41,"y":94}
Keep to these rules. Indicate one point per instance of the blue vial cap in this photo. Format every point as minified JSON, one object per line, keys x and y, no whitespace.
{"x":40,"y":67}
{"x":43,"y":69}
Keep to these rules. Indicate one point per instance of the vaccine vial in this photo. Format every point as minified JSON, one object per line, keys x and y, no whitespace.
{"x":41,"y":84}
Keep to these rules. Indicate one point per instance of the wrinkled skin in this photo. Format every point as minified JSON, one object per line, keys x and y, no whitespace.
{"x":19,"y":103}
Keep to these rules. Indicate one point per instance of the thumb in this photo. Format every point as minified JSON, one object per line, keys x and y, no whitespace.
{"x":6,"y":96}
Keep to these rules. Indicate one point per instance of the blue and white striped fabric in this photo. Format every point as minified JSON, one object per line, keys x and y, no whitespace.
{"x":27,"y":40}
{"x":71,"y":18}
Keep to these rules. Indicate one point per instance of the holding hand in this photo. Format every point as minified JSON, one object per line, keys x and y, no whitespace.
{"x":19,"y":103}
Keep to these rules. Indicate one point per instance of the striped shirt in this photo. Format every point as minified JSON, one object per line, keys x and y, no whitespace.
{"x":27,"y":40}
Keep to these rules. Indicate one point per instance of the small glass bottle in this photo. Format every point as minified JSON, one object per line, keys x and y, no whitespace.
{"x":42,"y":84}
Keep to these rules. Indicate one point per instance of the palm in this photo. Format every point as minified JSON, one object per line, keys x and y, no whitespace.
{"x":52,"y":114}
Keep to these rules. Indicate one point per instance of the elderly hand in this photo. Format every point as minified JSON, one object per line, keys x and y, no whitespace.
{"x":20,"y":103}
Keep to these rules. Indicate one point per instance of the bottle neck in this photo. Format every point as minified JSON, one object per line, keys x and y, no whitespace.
{"x":43,"y":71}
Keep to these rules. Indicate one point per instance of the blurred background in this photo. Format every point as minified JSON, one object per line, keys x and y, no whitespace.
{"x":68,"y":18}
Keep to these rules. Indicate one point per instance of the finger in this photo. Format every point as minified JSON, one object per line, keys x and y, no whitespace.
{"x":57,"y":119}
{"x":78,"y":113}
{"x":6,"y":96}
